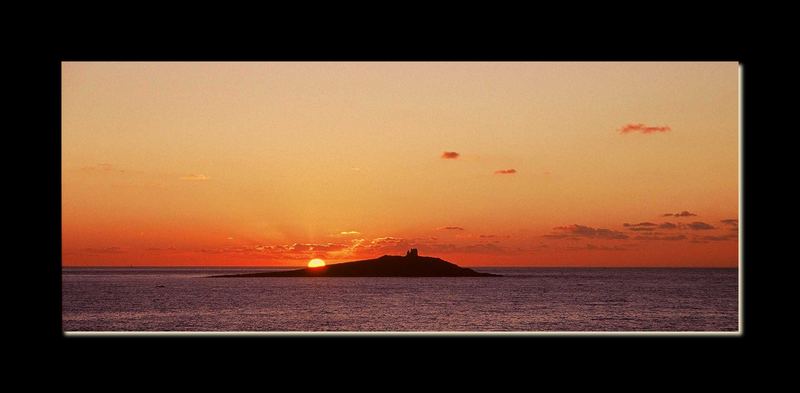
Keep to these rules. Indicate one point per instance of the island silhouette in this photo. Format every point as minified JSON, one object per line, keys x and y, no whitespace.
{"x":410,"y":265}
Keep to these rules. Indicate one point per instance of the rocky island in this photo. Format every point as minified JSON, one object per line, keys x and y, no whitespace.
{"x":410,"y":265}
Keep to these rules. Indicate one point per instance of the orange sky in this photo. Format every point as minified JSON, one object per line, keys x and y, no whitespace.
{"x":273,"y":164}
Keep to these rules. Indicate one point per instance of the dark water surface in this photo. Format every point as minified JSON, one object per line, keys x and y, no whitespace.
{"x":525,"y":299}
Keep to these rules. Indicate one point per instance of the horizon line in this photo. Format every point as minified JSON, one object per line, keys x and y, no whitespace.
{"x":472,"y":266}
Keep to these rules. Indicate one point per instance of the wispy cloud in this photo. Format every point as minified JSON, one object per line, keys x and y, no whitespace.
{"x":505,"y":172}
{"x":681,"y":214}
{"x":386,"y":240}
{"x":699,"y":226}
{"x":642,"y":128}
{"x":316,"y":246}
{"x":450,"y":228}
{"x":450,"y":155}
{"x":582,"y":231}
{"x":345,"y":234}
{"x":195,"y":177}
{"x":730,"y":221}
{"x":294,"y":251}
{"x":641,"y":224}
{"x":641,"y":227}
{"x":649,"y":226}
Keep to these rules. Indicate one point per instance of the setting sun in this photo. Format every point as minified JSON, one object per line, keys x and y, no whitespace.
{"x":316,"y":262}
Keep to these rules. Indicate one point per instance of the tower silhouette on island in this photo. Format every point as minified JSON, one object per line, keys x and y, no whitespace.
{"x":410,"y":265}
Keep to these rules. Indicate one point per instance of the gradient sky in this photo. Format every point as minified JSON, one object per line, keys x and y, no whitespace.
{"x":557,"y":164}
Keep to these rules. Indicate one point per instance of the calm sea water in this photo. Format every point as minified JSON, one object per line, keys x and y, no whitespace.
{"x":525,"y":299}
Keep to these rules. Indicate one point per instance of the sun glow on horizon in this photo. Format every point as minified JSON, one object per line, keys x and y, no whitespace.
{"x":316,"y":262}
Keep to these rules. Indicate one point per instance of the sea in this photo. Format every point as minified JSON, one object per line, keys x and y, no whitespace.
{"x":522,"y":300}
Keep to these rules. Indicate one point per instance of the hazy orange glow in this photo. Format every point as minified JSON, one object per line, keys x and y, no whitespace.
{"x":273,"y":164}
{"x":316,"y":262}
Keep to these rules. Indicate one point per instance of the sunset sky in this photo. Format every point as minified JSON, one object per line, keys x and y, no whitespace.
{"x":499,"y":163}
